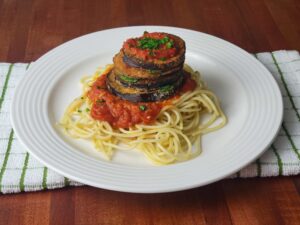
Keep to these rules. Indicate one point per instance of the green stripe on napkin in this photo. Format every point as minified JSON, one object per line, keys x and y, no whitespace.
{"x":5,"y":85}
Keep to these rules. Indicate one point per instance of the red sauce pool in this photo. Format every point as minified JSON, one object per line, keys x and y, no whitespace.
{"x":121,"y":113}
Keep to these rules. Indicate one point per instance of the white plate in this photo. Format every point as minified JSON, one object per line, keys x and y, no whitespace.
{"x":250,"y":98}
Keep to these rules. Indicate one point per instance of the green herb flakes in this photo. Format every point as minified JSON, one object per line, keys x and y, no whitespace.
{"x":128,"y":79}
{"x":143,"y":107}
{"x":153,"y":71}
{"x":152,"y":43}
{"x":166,"y":88}
{"x":169,"y":44}
{"x":164,"y":40}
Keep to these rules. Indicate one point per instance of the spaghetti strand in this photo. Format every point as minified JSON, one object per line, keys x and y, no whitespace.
{"x":168,"y":140}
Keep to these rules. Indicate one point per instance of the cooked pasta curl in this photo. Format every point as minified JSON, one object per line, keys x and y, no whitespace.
{"x":168,"y":140}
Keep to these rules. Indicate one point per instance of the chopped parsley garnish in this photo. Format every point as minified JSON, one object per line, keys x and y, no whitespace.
{"x":170,"y":44}
{"x":79,"y":111}
{"x":166,"y":89}
{"x":87,"y":109}
{"x":163,"y":59}
{"x":128,"y":79}
{"x":152,"y":43}
{"x":152,"y":71}
{"x":143,"y":107}
{"x":164,"y":40}
{"x":81,"y":98}
{"x":148,"y":43}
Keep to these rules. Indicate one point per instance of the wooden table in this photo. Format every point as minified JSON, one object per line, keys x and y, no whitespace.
{"x":30,"y":28}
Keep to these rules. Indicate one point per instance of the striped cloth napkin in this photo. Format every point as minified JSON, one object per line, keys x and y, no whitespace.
{"x":19,"y":171}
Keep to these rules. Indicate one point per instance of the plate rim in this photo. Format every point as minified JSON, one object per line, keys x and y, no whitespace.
{"x":184,"y":187}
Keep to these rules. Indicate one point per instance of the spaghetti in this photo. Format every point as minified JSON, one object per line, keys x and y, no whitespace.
{"x":167,"y":140}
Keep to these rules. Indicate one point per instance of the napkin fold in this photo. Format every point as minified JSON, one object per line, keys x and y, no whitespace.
{"x":19,"y":171}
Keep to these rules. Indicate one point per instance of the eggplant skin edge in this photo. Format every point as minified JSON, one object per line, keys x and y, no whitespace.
{"x":138,"y":72}
{"x":151,"y":96}
{"x":138,"y":63}
{"x":150,"y":83}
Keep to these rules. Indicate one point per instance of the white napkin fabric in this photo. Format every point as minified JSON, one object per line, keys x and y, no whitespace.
{"x":19,"y":171}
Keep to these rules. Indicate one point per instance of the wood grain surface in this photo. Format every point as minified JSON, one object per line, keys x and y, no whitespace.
{"x":30,"y":28}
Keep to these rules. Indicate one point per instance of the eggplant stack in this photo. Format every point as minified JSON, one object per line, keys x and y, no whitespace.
{"x":148,"y":68}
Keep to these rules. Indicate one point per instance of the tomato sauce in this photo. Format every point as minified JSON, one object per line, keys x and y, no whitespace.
{"x":121,"y":113}
{"x":189,"y":83}
{"x":162,"y":52}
